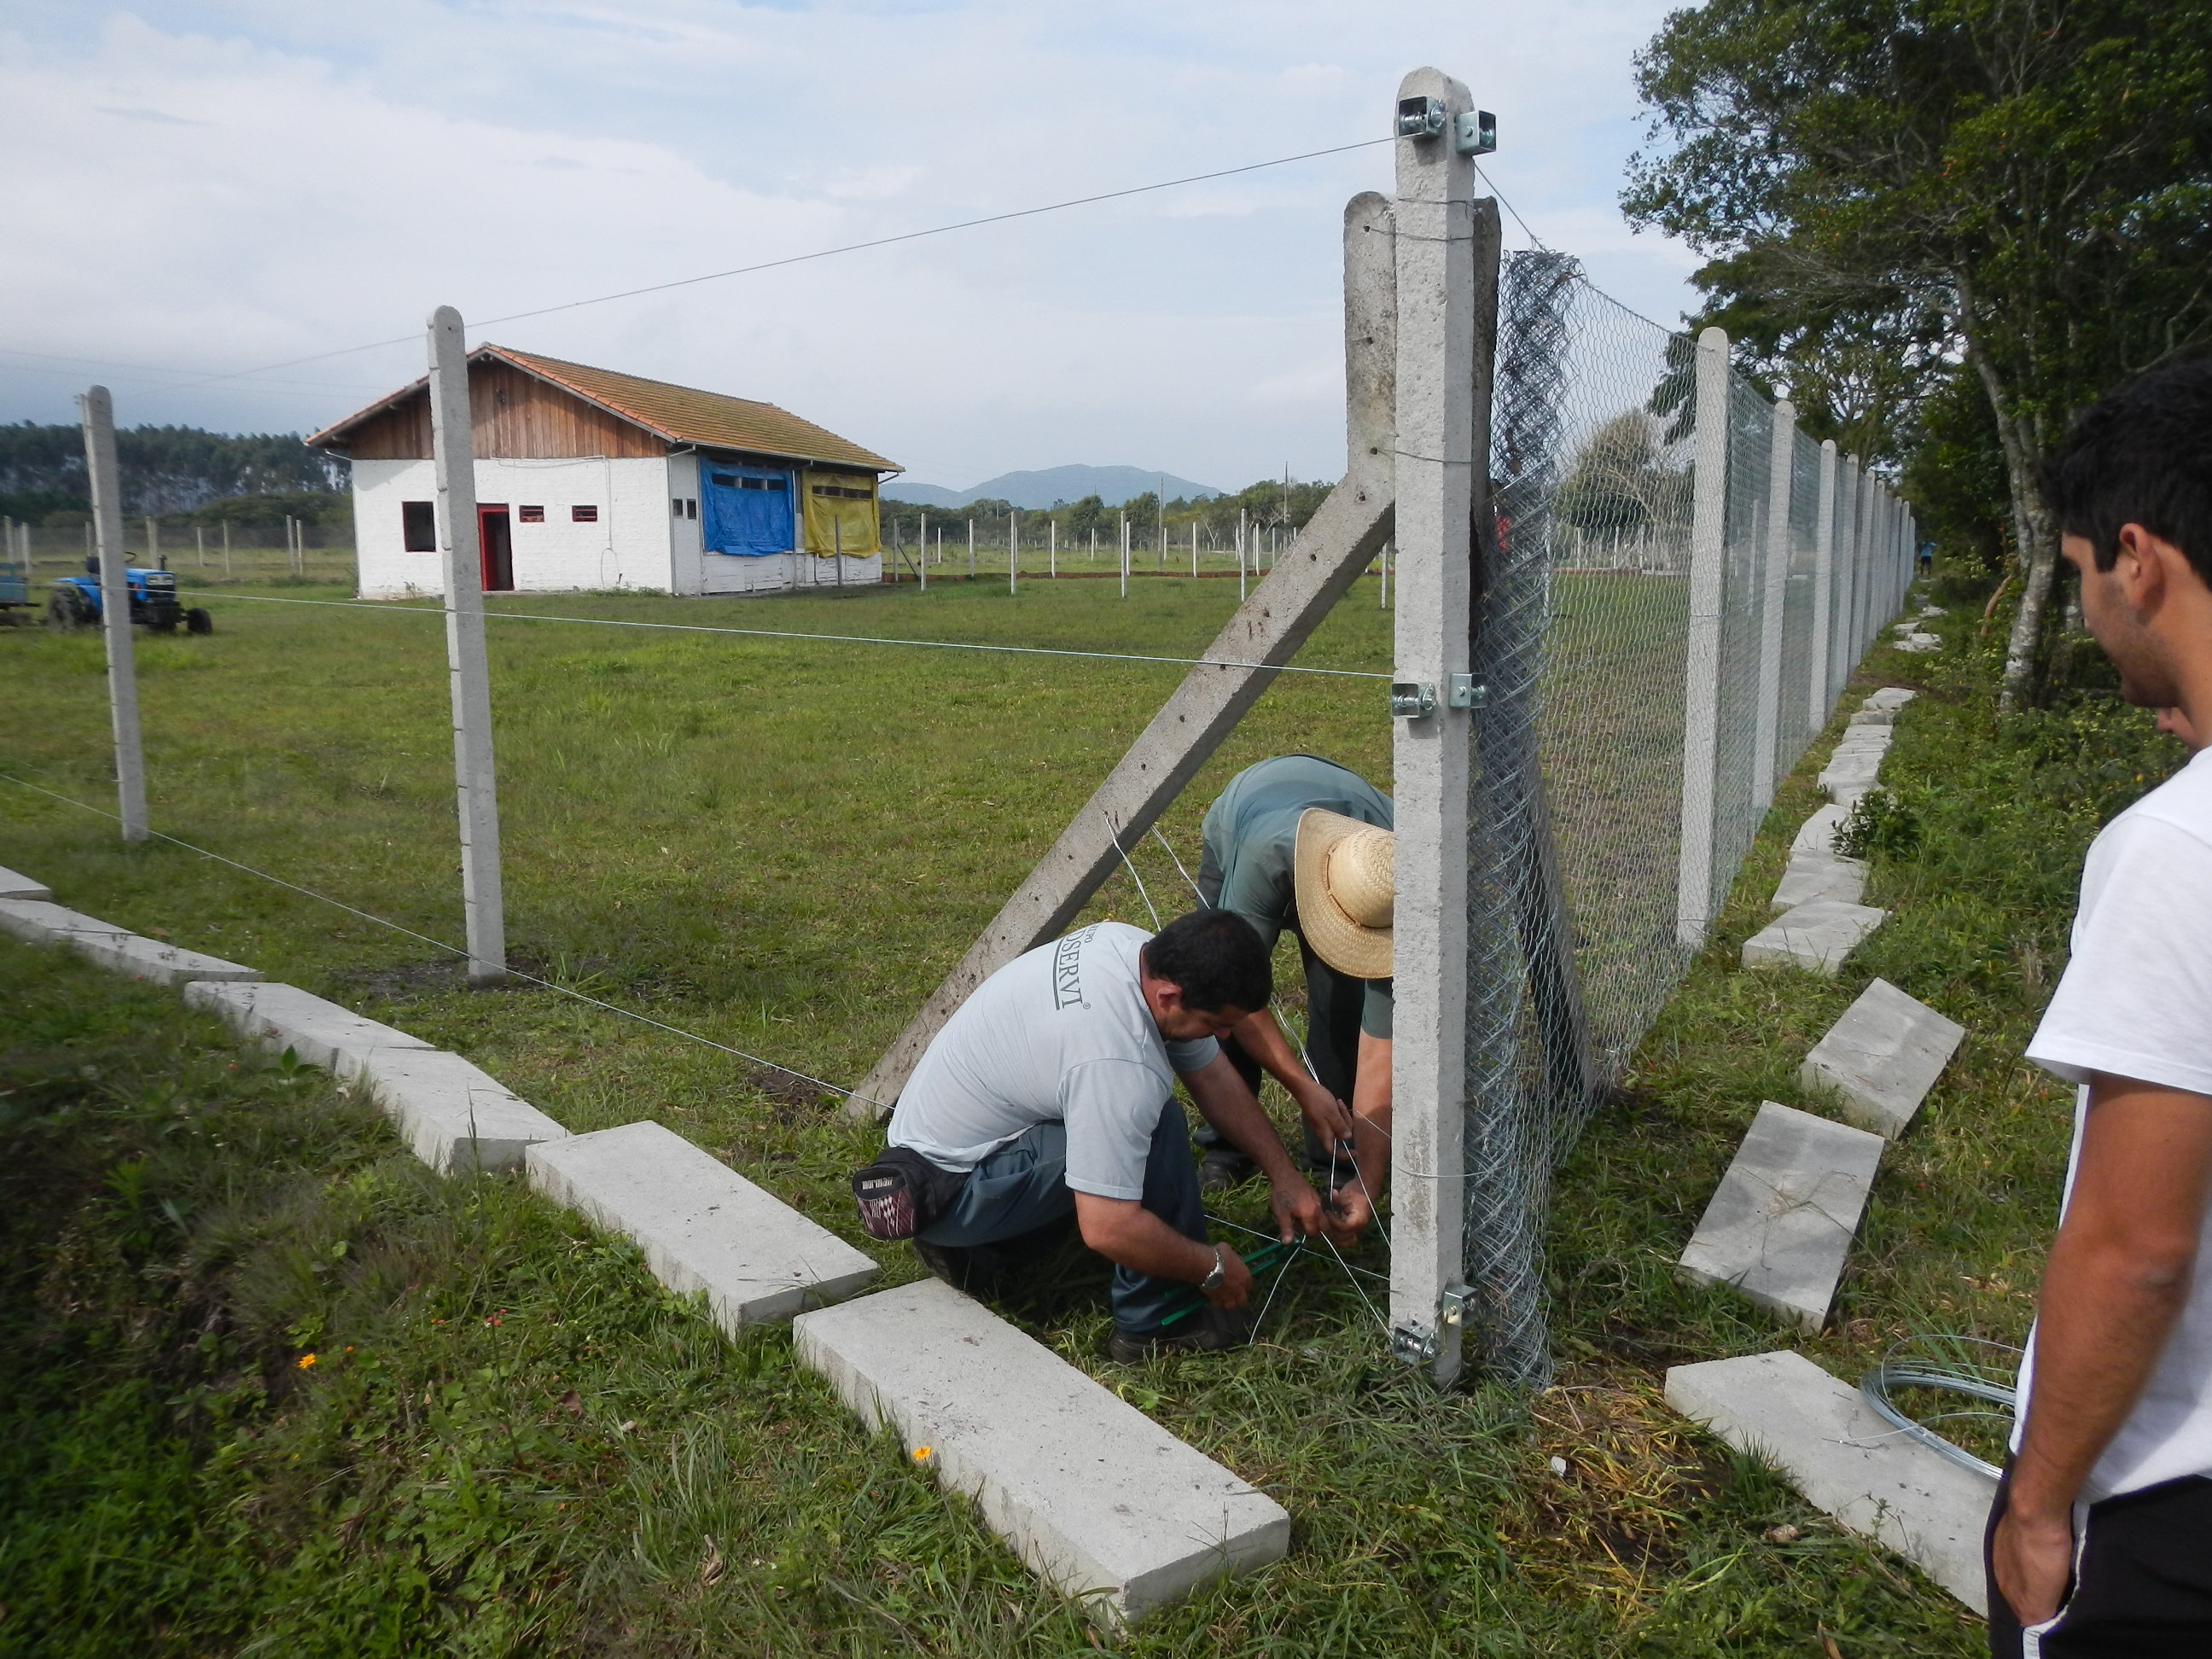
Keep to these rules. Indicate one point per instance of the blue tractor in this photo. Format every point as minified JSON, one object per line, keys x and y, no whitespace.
{"x":75,"y":602}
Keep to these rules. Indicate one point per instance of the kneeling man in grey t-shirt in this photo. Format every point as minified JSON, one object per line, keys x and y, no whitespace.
{"x":1052,"y":1092}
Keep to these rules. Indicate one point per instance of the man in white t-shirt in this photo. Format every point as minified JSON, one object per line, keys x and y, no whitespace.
{"x":2100,"y":1540}
{"x":1051,"y":1094}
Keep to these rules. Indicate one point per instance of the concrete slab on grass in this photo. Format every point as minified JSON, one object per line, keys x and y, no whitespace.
{"x":1815,"y":936}
{"x":280,"y":1017}
{"x":1781,"y":1222}
{"x":1881,"y":1058}
{"x":1920,"y":644}
{"x":1094,"y":1496}
{"x":1818,"y":833}
{"x":1865,"y":717}
{"x":1891,"y":697}
{"x":1811,"y":876}
{"x":151,"y":959}
{"x":15,"y":885}
{"x":453,"y":1116}
{"x":1821,"y":1434}
{"x":38,"y":922}
{"x":701,"y":1225}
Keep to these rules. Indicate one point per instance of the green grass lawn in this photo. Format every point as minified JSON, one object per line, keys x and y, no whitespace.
{"x":782,"y":845}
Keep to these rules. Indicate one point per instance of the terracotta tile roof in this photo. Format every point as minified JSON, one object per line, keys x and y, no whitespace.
{"x":681,"y":414}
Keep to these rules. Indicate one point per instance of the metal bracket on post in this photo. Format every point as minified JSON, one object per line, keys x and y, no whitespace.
{"x":1413,"y":700}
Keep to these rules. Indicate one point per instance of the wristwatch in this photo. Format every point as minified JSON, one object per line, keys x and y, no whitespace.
{"x":1212,"y":1280}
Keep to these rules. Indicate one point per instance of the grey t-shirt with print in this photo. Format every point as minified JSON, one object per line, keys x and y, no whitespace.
{"x":1060,"y":1034}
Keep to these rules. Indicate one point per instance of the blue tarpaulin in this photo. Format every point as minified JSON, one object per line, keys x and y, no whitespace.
{"x":745,"y":510}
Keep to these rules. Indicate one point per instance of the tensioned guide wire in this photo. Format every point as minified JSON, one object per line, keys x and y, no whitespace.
{"x":397,"y":609}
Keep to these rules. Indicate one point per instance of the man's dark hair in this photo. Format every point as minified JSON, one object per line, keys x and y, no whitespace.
{"x":1216,"y":959}
{"x":2143,"y":454}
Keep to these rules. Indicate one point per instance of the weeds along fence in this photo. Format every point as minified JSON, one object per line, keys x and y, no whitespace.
{"x":1677,"y":585}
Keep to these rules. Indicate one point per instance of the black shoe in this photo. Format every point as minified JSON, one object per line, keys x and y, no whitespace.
{"x":1210,"y":1330}
{"x":1218,"y":1172}
{"x":957,"y":1267}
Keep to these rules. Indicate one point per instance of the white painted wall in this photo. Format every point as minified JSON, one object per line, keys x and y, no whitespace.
{"x":631,"y":545}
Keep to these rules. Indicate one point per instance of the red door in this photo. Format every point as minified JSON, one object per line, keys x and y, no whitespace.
{"x":495,"y":544}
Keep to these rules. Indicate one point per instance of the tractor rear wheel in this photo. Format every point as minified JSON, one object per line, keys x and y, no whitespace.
{"x":65,"y":609}
{"x":197,"y":621}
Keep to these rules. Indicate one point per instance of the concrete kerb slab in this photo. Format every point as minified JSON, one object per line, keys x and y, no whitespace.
{"x":1879,"y":1061}
{"x":1891,"y":697}
{"x":1817,"y":835}
{"x":1920,"y":644}
{"x":1091,"y":1493}
{"x":36,"y":922}
{"x":1815,"y":876}
{"x":1816,"y":935}
{"x":455,"y":1117}
{"x":701,"y":1225}
{"x":1780,"y":1224}
{"x":14,"y":884}
{"x":1823,"y":1437}
{"x":280,"y":1017}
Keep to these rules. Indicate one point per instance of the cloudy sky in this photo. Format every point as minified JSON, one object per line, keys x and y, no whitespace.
{"x":195,"y":189}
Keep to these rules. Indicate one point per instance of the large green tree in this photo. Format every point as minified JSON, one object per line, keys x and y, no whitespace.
{"x":1890,"y":190}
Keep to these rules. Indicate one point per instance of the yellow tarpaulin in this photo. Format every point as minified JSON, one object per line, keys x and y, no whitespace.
{"x":841,"y":514}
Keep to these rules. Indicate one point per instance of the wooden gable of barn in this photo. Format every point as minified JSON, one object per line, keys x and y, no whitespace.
{"x":515,"y":416}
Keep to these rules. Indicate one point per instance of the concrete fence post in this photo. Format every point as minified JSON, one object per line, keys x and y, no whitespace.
{"x":1766,"y":745}
{"x":1824,"y":590}
{"x":452,"y":447}
{"x":1701,"y":703}
{"x":1840,"y":661}
{"x":105,"y":479}
{"x":1013,"y":549}
{"x":1439,"y":450}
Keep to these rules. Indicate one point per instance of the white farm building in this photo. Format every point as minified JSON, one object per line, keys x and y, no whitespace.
{"x":590,"y":479}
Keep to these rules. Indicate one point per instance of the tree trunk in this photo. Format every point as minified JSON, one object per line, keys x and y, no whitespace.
{"x":2035,"y":537}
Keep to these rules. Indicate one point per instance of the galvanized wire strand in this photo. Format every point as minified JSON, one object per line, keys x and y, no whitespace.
{"x":391,"y":609}
{"x":1899,"y":1369}
{"x":396,"y":928}
{"x":1114,"y":833}
{"x":1180,"y":870}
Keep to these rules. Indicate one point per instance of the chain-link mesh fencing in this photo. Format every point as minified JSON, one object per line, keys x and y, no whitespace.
{"x":1583,"y":911}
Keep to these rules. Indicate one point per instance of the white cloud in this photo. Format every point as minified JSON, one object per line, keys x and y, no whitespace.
{"x":217,"y":185}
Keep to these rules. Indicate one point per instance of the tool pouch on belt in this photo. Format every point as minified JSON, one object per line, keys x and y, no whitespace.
{"x":903,"y":1192}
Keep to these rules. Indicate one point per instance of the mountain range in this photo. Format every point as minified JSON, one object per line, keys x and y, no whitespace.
{"x":1035,"y":491}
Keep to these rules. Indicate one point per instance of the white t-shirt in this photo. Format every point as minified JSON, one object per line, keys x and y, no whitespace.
{"x":1060,"y":1034}
{"x":2135,"y":1001}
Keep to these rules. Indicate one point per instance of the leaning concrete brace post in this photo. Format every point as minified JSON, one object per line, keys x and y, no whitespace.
{"x":1766,"y":745}
{"x":97,"y":409}
{"x":453,"y":446}
{"x":1693,"y":890}
{"x":1824,"y":590}
{"x":1265,"y":633}
{"x":1438,"y":455}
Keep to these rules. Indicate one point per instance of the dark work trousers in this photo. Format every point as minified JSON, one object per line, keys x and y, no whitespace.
{"x":1334,"y":1002}
{"x":2142,"y":1580}
{"x":1024,"y":1186}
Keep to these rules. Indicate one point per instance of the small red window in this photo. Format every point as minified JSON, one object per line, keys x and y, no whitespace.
{"x":531,"y":514}
{"x":584,"y":515}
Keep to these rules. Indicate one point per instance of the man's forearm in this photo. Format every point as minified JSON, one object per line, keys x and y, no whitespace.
{"x":1245,"y":1127}
{"x":1135,"y":1238}
{"x":2104,"y":1318}
{"x":1260,"y":1036}
{"x":1370,"y":1114}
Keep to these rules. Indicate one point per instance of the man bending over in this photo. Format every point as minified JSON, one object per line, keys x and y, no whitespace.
{"x":1051,"y":1091}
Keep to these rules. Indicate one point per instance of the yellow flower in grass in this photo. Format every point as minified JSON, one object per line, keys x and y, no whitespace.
{"x":306,"y":1361}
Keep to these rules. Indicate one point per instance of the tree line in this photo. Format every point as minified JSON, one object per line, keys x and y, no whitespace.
{"x":1946,"y":225}
{"x":173,"y":472}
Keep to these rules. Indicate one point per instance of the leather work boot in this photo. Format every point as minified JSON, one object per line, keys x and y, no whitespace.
{"x":1210,"y":1330}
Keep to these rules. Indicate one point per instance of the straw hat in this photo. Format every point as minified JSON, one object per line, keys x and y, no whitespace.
{"x":1345,"y":875}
